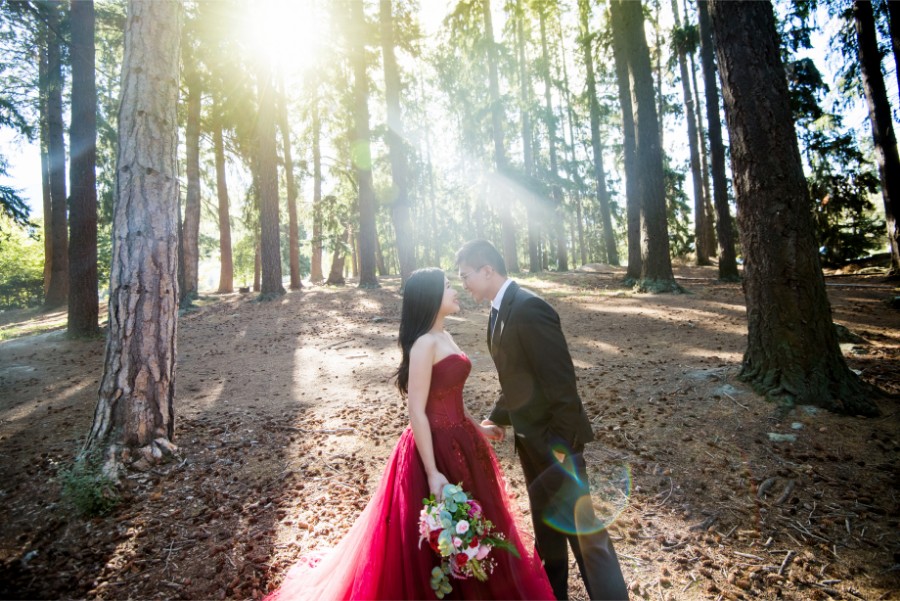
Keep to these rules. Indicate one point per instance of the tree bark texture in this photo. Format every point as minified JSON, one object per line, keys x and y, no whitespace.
{"x":728,"y":270}
{"x":190,"y":244}
{"x":396,"y":140}
{"x":609,"y":236}
{"x":83,"y":301}
{"x":338,"y":260}
{"x":362,"y":152}
{"x":58,"y":289}
{"x":290,"y":184}
{"x":504,"y":199}
{"x":632,"y":198}
{"x":226,"y":259}
{"x":656,"y":264}
{"x":700,"y":243}
{"x":135,"y":416}
{"x":883,"y":136}
{"x":267,"y":161}
{"x":792,"y":351}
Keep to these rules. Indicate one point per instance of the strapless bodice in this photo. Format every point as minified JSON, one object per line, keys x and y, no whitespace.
{"x":445,"y":403}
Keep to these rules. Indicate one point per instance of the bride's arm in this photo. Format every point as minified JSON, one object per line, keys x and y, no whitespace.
{"x":490,"y":430}
{"x":421,"y":359}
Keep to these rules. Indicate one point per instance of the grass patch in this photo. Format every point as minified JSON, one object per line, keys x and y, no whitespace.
{"x":87,"y":489}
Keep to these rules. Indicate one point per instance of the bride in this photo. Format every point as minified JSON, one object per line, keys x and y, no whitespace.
{"x":380,"y":557}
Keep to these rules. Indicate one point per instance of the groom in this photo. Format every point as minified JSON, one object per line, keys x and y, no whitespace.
{"x":539,"y":399}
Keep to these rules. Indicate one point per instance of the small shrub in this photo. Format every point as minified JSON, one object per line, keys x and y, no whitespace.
{"x":87,"y":488}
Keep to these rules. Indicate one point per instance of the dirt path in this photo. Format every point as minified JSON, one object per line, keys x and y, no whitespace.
{"x":286,"y":414}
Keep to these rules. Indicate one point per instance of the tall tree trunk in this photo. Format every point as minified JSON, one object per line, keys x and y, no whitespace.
{"x":362,"y":160}
{"x":316,"y":260}
{"x":257,"y":266}
{"x":338,"y":257}
{"x":657,"y":52}
{"x":44,"y":127}
{"x":572,"y":166}
{"x":83,"y":302}
{"x":883,"y":137}
{"x":267,"y":161}
{"x":632,"y":192}
{"x":656,"y":264}
{"x":190,"y":244}
{"x":562,"y":261}
{"x":58,"y":290}
{"x":134,"y":421}
{"x":792,"y":348}
{"x":293,"y":227}
{"x":532,"y":206}
{"x":609,"y":236}
{"x":710,"y":217}
{"x":396,"y":141}
{"x":226,"y":260}
{"x":504,"y":198}
{"x":728,"y":270}
{"x":700,"y":243}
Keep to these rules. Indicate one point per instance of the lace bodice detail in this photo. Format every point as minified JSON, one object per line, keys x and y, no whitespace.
{"x":445,"y":404}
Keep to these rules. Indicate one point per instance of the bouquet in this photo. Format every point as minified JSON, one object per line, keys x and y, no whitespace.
{"x":458,"y":532}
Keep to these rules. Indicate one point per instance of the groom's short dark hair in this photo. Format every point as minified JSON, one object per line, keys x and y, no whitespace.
{"x":478,"y":253}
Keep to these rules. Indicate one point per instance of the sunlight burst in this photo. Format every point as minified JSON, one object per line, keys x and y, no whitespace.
{"x":284,"y":33}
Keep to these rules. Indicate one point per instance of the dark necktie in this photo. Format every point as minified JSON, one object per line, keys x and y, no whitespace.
{"x":493,"y":321}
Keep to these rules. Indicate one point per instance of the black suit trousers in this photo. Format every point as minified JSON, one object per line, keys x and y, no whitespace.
{"x":562,"y":513}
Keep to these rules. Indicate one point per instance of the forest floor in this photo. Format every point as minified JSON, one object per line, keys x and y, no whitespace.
{"x":286,"y":413}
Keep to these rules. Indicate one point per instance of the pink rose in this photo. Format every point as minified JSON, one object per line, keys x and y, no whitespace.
{"x":457,"y":542}
{"x":462,"y":527}
{"x":483,"y":551}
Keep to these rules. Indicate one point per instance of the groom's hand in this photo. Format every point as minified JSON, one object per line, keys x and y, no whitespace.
{"x":492,"y":431}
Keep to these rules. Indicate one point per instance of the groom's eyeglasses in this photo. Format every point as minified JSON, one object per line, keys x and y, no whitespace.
{"x":465,"y":276}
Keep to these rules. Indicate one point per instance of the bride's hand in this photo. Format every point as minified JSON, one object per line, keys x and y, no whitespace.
{"x":492,"y":431}
{"x":436,"y":483}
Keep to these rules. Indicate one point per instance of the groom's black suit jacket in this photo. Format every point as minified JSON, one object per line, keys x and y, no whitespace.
{"x":539,"y":397}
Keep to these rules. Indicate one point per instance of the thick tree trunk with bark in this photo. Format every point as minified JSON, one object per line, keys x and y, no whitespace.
{"x":58,"y":289}
{"x":267,"y":162}
{"x":134,"y":422}
{"x":316,"y":259}
{"x":728,"y":270}
{"x":632,"y":198}
{"x":362,"y":154}
{"x":656,"y":264}
{"x":190,"y":243}
{"x":792,"y":352}
{"x":338,"y":260}
{"x":396,"y":141}
{"x":83,"y":302}
{"x":609,"y":236}
{"x":293,"y":226}
{"x":504,"y":199}
{"x":700,"y":243}
{"x":226,"y":260}
{"x":883,"y":136}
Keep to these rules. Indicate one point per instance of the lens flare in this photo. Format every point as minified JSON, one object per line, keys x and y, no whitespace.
{"x":610,"y":485}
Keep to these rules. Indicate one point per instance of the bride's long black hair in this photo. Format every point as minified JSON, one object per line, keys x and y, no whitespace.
{"x":422,"y":297}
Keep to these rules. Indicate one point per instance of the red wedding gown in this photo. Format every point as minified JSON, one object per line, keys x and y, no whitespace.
{"x":380,"y":557}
